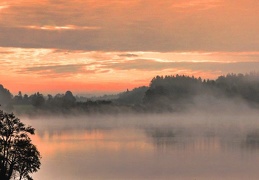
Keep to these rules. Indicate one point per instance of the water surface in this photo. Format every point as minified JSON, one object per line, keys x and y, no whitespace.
{"x":148,"y":147}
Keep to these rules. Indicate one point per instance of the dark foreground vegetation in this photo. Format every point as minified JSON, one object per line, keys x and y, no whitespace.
{"x":164,"y":94}
{"x":18,"y":156}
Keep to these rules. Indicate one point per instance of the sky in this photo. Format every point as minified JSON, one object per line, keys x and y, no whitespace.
{"x":100,"y":46}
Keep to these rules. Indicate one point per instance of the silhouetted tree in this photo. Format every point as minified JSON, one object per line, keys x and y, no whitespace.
{"x":68,"y":99}
{"x":5,"y":95}
{"x":18,"y":99}
{"x":170,"y":91}
{"x":25,"y":99}
{"x":37,"y":99}
{"x":28,"y":158}
{"x":134,"y":96}
{"x":17,"y":153}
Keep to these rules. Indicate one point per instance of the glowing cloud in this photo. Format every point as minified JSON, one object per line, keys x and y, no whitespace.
{"x":115,"y":45}
{"x":101,"y":25}
{"x":199,"y":4}
{"x":58,"y":28}
{"x":3,"y":7}
{"x":57,"y":70}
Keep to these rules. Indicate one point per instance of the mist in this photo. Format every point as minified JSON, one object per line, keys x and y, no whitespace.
{"x":218,"y":140}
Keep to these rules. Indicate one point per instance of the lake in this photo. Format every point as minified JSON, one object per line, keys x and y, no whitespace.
{"x":155,"y":146}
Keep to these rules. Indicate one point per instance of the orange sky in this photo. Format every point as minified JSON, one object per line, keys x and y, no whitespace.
{"x":109,"y":46}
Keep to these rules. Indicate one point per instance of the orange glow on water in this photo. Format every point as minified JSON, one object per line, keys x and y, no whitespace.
{"x":76,"y":141}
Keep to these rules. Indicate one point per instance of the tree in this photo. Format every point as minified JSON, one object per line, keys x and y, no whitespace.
{"x":37,"y":100}
{"x":5,"y":95}
{"x":134,"y":96}
{"x":68,"y":99}
{"x":18,"y":99}
{"x":17,"y":153}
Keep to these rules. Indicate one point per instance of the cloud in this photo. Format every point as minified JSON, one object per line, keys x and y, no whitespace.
{"x":70,"y":63}
{"x":51,"y":67}
{"x":3,"y":7}
{"x":6,"y":52}
{"x":179,"y":25}
{"x":31,"y":38}
{"x":128,"y":55}
{"x":197,"y":4}
{"x":153,"y":65}
{"x":59,"y":28}
{"x":139,"y":64}
{"x":42,"y":68}
{"x":57,"y":70}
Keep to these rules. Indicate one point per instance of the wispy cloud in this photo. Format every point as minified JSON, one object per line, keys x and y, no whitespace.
{"x":71,"y":68}
{"x":149,"y":65}
{"x":130,"y":55}
{"x":132,"y":68}
{"x":73,"y":61}
{"x":198,"y":4}
{"x":101,"y":25}
{"x":6,"y":52}
{"x":59,"y":28}
{"x":58,"y":71}
{"x":3,"y":7}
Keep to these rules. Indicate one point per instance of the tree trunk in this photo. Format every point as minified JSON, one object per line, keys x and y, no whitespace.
{"x":10,"y":171}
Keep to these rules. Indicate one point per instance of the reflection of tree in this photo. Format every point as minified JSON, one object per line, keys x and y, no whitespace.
{"x":252,"y":139}
{"x":198,"y":139}
{"x":162,"y":133}
{"x":162,"y":137}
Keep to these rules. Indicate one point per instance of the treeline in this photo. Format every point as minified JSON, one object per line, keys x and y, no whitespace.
{"x":165,"y":93}
{"x":174,"y":93}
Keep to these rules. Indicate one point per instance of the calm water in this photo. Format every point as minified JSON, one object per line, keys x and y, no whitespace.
{"x":148,"y":147}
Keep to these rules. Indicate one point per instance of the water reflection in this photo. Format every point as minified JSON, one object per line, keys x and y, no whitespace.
{"x":147,"y":151}
{"x":252,"y":140}
{"x":88,"y":140}
{"x":182,"y":139}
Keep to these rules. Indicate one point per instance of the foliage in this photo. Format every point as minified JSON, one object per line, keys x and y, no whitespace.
{"x":37,"y":99}
{"x":134,"y":96}
{"x":5,"y":96}
{"x":169,"y":93}
{"x":17,"y":153}
{"x":174,"y":91}
{"x":173,"y":87}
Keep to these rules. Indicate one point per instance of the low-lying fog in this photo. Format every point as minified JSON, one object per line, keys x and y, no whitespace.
{"x":218,"y":140}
